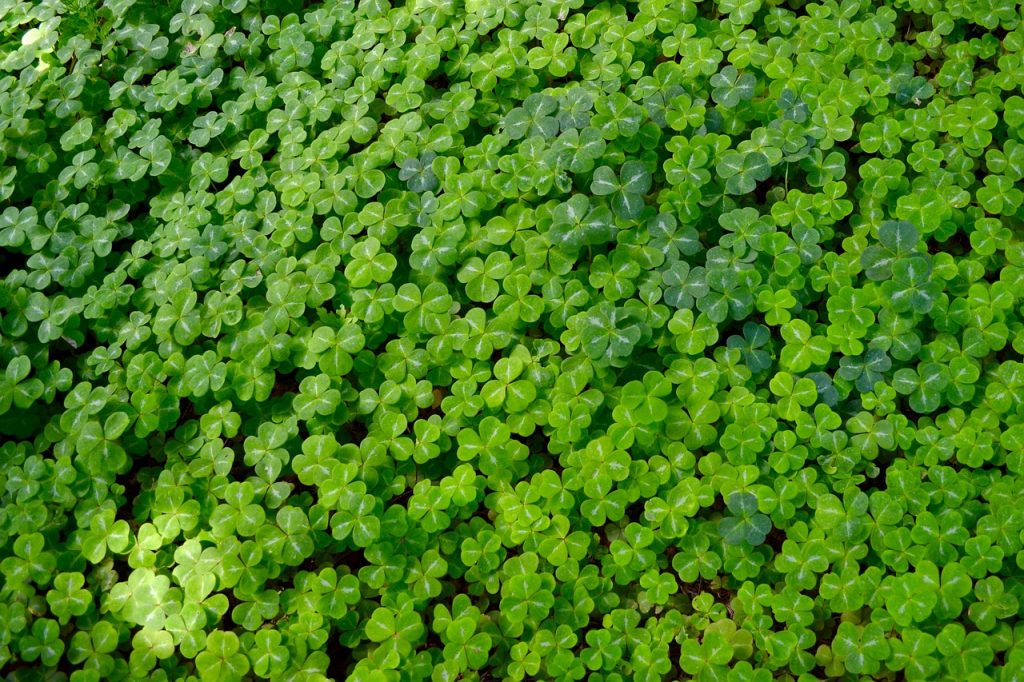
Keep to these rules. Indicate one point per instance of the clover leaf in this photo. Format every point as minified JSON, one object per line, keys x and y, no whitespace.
{"x":626,"y":191}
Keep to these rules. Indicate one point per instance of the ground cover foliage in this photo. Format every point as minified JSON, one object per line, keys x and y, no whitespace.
{"x":519,"y":340}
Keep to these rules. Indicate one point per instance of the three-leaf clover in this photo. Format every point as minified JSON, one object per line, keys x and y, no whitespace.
{"x":745,"y":523}
{"x":626,"y":191}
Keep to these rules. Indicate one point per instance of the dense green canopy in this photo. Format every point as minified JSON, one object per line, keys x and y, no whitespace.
{"x":511,"y":340}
